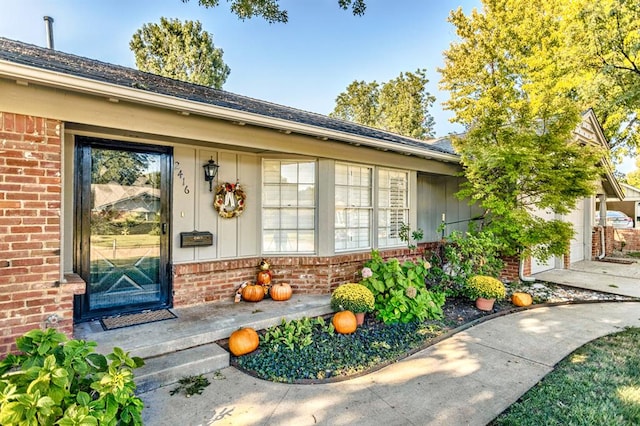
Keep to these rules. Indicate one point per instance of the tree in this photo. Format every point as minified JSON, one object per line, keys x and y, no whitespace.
{"x":605,"y":46}
{"x":270,"y":9}
{"x":512,"y":90}
{"x":400,"y":105}
{"x":633,"y":177}
{"x":182,"y":51}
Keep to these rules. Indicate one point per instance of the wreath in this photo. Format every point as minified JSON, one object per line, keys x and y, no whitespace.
{"x":229,"y":200}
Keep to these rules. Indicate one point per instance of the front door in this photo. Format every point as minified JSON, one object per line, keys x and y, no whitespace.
{"x":121,"y":238}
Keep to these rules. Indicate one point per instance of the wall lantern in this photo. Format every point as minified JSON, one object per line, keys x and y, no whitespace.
{"x":210,"y":172}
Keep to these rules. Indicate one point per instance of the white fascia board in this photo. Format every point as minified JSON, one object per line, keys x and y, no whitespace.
{"x":22,"y":73}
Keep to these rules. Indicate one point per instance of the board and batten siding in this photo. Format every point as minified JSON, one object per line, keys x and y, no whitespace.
{"x":234,"y":237}
{"x":436,"y":196}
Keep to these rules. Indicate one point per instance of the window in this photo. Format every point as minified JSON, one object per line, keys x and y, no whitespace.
{"x":393,"y":206}
{"x":353,"y":207}
{"x":288,"y":206}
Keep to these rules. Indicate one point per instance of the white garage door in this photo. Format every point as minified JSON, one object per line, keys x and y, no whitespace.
{"x":536,"y":265}
{"x":576,"y":217}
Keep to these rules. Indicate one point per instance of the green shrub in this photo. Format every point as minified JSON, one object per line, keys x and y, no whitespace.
{"x":293,"y":334}
{"x":64,"y":382}
{"x":352,"y":297}
{"x":485,"y":287}
{"x":399,"y":290}
{"x":463,"y":256}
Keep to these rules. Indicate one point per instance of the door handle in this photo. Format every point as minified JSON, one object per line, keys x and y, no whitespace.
{"x":164,"y":228}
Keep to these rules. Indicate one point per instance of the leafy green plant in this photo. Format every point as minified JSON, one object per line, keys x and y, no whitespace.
{"x":339,"y":355}
{"x":64,"y":382}
{"x":191,"y":385}
{"x":294,"y":333}
{"x":399,"y":290}
{"x":463,"y":256}
{"x":410,"y":240}
{"x":352,"y":297}
{"x":485,"y":287}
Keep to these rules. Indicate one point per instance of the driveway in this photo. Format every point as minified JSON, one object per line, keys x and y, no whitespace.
{"x":608,"y":277}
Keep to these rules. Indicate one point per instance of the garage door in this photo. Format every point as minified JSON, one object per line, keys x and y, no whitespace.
{"x":536,"y":265}
{"x":576,"y":217}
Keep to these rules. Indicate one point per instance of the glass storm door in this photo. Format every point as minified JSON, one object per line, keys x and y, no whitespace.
{"x":122,"y":243}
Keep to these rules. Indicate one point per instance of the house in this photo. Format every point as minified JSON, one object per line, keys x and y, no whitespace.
{"x":104,"y":208}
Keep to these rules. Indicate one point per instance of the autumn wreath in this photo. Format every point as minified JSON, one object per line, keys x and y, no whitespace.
{"x":229,"y":200}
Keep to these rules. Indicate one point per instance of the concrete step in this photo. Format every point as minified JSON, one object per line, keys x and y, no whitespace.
{"x":171,"y":367}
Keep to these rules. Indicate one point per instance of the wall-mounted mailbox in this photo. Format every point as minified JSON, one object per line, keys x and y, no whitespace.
{"x":196,"y":239}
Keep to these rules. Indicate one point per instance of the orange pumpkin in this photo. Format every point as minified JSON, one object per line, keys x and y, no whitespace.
{"x":243,"y":341}
{"x":345,"y":322}
{"x":264,"y":278}
{"x":280,"y":291}
{"x":253,"y":293}
{"x":521,"y":299}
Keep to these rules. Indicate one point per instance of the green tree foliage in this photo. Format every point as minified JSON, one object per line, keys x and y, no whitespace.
{"x":633,"y":177}
{"x":270,"y":10}
{"x":182,"y":51}
{"x":604,"y":45}
{"x":507,"y":78}
{"x":400,"y":105}
{"x":122,"y":167}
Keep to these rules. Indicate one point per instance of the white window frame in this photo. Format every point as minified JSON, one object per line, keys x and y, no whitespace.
{"x":358,"y":203}
{"x":392,"y":207}
{"x":276,"y":235}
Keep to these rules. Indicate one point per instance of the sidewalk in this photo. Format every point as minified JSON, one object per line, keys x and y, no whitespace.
{"x":467,"y":379}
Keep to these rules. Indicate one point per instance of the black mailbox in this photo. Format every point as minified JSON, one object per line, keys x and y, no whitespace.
{"x":196,"y":239}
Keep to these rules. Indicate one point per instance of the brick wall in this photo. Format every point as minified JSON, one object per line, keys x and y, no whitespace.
{"x":30,"y":192}
{"x":510,"y":271}
{"x":626,"y":240}
{"x":203,"y":282}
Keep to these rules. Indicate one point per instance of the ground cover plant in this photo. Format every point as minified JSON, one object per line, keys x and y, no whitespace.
{"x":309,"y":349}
{"x":598,"y":384}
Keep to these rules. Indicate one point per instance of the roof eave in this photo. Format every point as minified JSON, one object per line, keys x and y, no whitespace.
{"x":23,"y":73}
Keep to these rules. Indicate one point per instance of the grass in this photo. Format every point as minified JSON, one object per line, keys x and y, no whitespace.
{"x":598,"y":384}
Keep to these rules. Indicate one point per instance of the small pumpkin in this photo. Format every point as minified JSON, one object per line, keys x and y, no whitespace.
{"x":280,"y":291}
{"x":264,"y":278}
{"x":345,"y":322}
{"x":521,"y":299}
{"x":243,"y":341}
{"x":253,"y":293}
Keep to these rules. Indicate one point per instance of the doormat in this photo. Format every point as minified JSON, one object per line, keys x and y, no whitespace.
{"x":120,"y":321}
{"x":616,"y":260}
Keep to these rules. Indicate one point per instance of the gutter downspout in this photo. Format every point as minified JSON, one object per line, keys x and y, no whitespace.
{"x":521,"y":273}
{"x":602,"y":244}
{"x":603,"y":222}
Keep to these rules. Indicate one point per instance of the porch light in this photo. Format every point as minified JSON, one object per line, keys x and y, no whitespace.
{"x":210,"y":172}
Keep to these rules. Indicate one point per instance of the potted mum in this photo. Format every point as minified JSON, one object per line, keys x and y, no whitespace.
{"x":484,"y":290}
{"x":353,"y":297}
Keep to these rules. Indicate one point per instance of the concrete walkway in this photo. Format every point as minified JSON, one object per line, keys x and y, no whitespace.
{"x":467,"y":379}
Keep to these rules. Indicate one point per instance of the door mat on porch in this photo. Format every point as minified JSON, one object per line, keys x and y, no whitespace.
{"x":120,"y":321}
{"x":616,"y":260}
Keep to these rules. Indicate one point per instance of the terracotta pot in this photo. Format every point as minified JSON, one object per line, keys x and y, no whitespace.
{"x":484,"y":304}
{"x":360,"y":318}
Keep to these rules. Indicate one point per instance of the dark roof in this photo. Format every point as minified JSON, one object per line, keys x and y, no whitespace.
{"x":65,"y":63}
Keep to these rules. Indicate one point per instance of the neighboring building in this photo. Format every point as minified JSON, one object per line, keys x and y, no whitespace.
{"x":104,"y":208}
{"x":629,"y":206}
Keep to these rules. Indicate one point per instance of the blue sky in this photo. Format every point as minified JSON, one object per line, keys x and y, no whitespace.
{"x":304,"y":64}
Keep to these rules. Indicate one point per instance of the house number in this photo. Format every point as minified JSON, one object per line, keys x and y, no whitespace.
{"x":182,"y":178}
